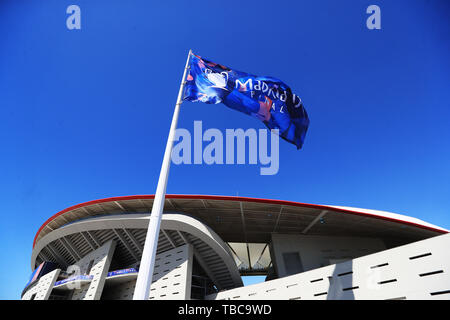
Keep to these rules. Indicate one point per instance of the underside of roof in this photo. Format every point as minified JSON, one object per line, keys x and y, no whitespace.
{"x":250,"y":220}
{"x":68,"y":244}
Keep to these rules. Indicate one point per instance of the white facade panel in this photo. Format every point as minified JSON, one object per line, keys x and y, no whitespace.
{"x":42,"y":289}
{"x":420,"y":270}
{"x":172,"y":275}
{"x":172,"y":278}
{"x":98,"y":261}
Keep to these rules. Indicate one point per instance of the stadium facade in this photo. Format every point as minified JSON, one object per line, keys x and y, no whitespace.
{"x":92,"y":251}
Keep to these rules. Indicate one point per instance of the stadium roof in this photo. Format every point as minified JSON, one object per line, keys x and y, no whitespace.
{"x":253,"y":220}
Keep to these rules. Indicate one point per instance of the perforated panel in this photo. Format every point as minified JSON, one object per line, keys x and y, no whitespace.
{"x":101,"y":261}
{"x":42,"y":290}
{"x":171,"y":278}
{"x":172,"y":274}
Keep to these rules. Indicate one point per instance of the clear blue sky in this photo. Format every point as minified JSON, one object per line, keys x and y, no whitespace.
{"x":85,"y":113}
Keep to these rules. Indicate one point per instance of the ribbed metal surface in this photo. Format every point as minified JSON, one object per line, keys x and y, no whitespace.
{"x":123,"y":257}
{"x":253,"y":220}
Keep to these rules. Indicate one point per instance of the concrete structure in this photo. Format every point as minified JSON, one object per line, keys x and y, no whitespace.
{"x":92,"y":251}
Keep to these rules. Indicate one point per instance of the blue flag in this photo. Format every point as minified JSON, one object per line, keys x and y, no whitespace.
{"x":265,"y":98}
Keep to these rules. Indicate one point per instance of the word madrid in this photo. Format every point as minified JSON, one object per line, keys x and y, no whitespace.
{"x":213,"y":153}
{"x":260,"y":86}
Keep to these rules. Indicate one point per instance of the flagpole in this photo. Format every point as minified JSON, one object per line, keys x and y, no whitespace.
{"x":145,"y":275}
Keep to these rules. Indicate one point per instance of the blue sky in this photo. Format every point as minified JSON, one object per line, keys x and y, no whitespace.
{"x":85,"y":113}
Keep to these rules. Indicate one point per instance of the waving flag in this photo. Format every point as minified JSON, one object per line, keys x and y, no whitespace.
{"x":265,"y":98}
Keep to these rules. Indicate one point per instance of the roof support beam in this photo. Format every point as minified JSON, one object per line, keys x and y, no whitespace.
{"x":89,"y":241}
{"x":245,"y":235}
{"x":183,"y":237}
{"x":234,"y":254}
{"x":49,"y":256}
{"x":278,"y":219}
{"x":44,"y":256}
{"x":322,"y":213}
{"x":54,"y":252}
{"x":262,"y":252}
{"x":125,"y":243}
{"x":171,"y":203}
{"x":101,"y":207}
{"x":94,"y":238}
{"x":134,"y":240}
{"x":201,"y":262}
{"x":120,"y":206}
{"x":73,"y":247}
{"x":64,"y":218}
{"x":169,"y":238}
{"x":67,"y":247}
{"x":145,"y":205}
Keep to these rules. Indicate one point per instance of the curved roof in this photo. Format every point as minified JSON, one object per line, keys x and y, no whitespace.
{"x":242,"y":219}
{"x":130,"y":230}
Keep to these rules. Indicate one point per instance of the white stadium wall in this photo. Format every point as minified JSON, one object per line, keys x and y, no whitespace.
{"x":356,"y":254}
{"x":171,"y":278}
{"x":172,"y":274}
{"x":98,"y":261}
{"x":44,"y":287}
{"x":420,"y":270}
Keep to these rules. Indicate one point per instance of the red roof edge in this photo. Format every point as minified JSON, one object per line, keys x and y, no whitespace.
{"x":233,"y":198}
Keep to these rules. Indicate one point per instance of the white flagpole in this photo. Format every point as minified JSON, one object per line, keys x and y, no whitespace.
{"x":145,"y":275}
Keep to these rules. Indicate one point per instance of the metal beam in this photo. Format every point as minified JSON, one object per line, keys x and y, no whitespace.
{"x":186,"y":241}
{"x":44,"y":256}
{"x":94,"y":238}
{"x":54,"y":252}
{"x":322,"y":213}
{"x":171,"y":203}
{"x":101,"y":207}
{"x":278,"y":219}
{"x":64,"y":218}
{"x":120,"y":206}
{"x":233,"y":252}
{"x":134,"y":240}
{"x":201,"y":262}
{"x":262,"y":252}
{"x":245,"y":235}
{"x":89,"y":241}
{"x":145,"y":205}
{"x":169,"y":238}
{"x":125,"y":243}
{"x":67,"y":247}
{"x":73,"y":247}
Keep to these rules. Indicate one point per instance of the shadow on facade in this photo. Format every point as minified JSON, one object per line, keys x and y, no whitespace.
{"x":341,"y":282}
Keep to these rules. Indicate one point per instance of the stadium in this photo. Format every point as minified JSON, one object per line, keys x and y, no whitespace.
{"x":92,"y":251}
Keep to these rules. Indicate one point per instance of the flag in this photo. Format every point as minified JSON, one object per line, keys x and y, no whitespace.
{"x":266,"y":98}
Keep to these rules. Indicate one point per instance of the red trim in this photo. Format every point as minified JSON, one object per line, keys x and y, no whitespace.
{"x":232,"y":198}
